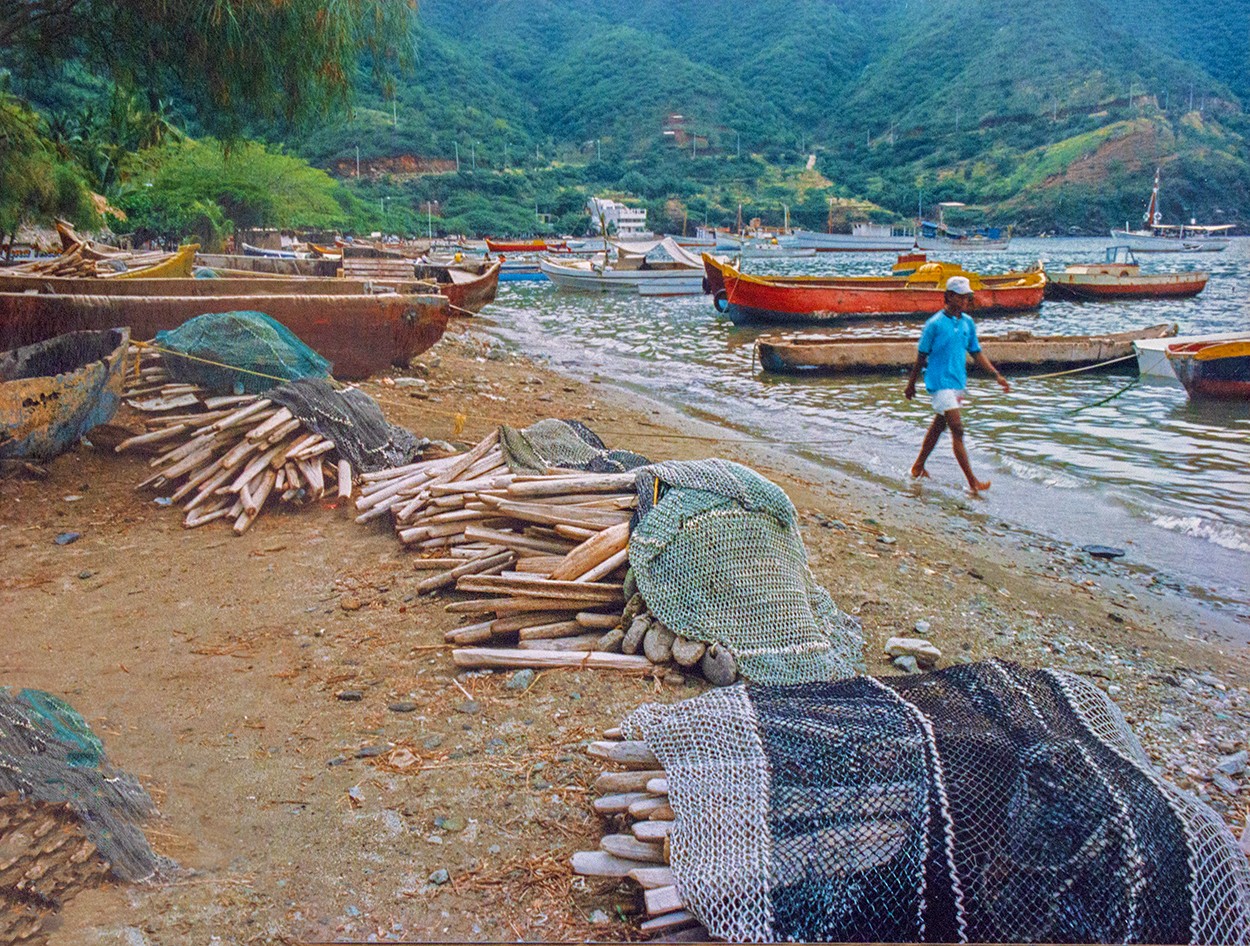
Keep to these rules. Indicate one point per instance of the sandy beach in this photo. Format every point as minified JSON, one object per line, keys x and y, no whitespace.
{"x":258,"y":684}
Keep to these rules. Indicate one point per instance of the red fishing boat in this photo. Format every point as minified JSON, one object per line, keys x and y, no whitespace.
{"x":525,"y":246}
{"x":1119,"y":276}
{"x":1213,"y":370}
{"x":822,"y":299}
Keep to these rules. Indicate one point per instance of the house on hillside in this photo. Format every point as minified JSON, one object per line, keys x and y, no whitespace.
{"x":628,"y":222}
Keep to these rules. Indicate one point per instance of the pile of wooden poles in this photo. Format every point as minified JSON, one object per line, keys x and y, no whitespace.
{"x":76,"y":263}
{"x":227,"y":457}
{"x":633,"y":797}
{"x":546,"y":557}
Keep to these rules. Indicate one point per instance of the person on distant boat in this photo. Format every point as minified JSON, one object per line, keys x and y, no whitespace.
{"x":948,"y":338}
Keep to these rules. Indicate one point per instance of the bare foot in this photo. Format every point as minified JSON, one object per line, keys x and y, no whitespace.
{"x":977,"y":486}
{"x":921,"y":473}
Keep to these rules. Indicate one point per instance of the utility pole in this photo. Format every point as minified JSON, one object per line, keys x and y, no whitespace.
{"x":598,"y":150}
{"x":429,"y":220}
{"x":457,"y":144}
{"x":394,"y":115}
{"x":358,"y":160}
{"x":505,"y":155}
{"x":473,"y":152}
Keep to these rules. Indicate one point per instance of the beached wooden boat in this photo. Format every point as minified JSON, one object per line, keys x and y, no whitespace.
{"x":468,"y":286}
{"x":268,"y":266}
{"x":1213,"y":370}
{"x":820,"y":299}
{"x":361,"y":334}
{"x":54,"y":391}
{"x":235,"y":284}
{"x":264,"y":253}
{"x":1119,"y":276}
{"x":525,"y":246}
{"x":1017,"y":351}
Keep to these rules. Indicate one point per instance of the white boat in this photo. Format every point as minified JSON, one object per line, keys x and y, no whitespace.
{"x":1160,"y":237}
{"x":940,"y":236}
{"x":863,"y":238}
{"x":759,"y":249}
{"x":653,"y":268}
{"x":1152,"y":359}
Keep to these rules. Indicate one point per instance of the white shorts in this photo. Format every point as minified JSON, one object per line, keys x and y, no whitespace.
{"x":947,"y":399}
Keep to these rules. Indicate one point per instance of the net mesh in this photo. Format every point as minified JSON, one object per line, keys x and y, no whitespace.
{"x":562,"y":443}
{"x":352,"y":420}
{"x":983,"y":803}
{"x":718,"y":558}
{"x":48,"y":753}
{"x":262,"y":347}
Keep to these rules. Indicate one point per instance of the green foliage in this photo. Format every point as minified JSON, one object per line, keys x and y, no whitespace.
{"x":199,"y":188}
{"x":36,"y":183}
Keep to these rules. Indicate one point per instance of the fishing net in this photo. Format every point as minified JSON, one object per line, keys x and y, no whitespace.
{"x":562,"y":443}
{"x":49,"y":754}
{"x":982,"y":803}
{"x":239,"y":352}
{"x":718,"y":558}
{"x":351,"y":419}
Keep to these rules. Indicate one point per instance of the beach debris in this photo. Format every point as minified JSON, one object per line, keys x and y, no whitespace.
{"x":67,"y":538}
{"x":69,"y":821}
{"x":806,"y":813}
{"x":226,"y":457}
{"x":1102,"y":551}
{"x":925,"y":652}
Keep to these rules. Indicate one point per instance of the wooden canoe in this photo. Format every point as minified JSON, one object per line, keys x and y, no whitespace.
{"x":269,"y":266}
{"x":53,"y":392}
{"x":1213,"y":370}
{"x":524,"y":246}
{"x":816,"y":299}
{"x":360,"y":334}
{"x":467,"y":286}
{"x":1015,"y":351}
{"x":241,"y":284}
{"x":176,"y":264}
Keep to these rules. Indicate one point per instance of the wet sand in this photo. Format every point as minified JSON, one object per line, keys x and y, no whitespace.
{"x":213,"y":665}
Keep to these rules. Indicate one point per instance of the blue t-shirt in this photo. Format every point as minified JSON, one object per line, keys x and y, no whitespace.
{"x":948,"y":341}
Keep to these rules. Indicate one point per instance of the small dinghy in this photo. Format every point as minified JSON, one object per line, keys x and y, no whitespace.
{"x":53,"y":392}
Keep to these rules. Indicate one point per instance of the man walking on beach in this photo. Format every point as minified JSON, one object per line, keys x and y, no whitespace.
{"x":948,"y":338}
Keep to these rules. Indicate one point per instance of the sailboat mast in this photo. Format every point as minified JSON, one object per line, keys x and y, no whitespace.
{"x":1153,"y":216}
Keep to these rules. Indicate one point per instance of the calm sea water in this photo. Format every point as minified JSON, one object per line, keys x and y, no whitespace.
{"x":1147,"y":470}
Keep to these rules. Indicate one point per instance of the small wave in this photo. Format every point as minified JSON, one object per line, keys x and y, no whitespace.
{"x":1039,"y":474}
{"x":1225,"y":536}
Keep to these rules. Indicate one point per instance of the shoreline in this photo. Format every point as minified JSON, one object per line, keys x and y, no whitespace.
{"x":212,"y":667}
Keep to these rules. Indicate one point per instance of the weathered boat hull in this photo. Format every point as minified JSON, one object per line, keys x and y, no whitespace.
{"x":1093,"y":286}
{"x":51,"y":393}
{"x":242,"y":285}
{"x":1016,"y":352}
{"x":647,"y":282}
{"x":1152,"y":353}
{"x":524,"y":246}
{"x":359,"y":334}
{"x":268,"y":266}
{"x":1213,"y":370}
{"x":468,"y":287}
{"x":815,"y":300}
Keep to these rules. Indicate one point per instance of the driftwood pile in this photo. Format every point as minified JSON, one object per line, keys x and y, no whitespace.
{"x":545,"y":556}
{"x":226,"y":457}
{"x":45,"y":859}
{"x":633,"y":797}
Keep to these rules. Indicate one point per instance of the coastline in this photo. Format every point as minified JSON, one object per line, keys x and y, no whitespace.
{"x":211,"y":666}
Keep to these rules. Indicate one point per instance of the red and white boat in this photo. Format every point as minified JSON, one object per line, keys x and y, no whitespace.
{"x":1119,"y":276}
{"x":525,"y":246}
{"x":1160,"y":237}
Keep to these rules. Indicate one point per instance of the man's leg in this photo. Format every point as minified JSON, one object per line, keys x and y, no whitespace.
{"x":931,"y":438}
{"x":956,"y":424}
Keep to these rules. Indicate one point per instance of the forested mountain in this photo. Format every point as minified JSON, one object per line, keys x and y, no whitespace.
{"x":1053,"y":115}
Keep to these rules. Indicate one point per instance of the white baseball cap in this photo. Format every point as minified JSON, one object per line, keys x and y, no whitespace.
{"x":960,"y":285}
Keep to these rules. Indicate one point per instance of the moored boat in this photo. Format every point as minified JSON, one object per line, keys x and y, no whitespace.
{"x":1213,"y":370}
{"x":525,"y":246}
{"x":863,"y":238}
{"x":1119,"y":276}
{"x":1014,"y":351}
{"x":1152,"y":353}
{"x":54,"y":391}
{"x":361,"y":334}
{"x":654,"y":268}
{"x":467,"y":285}
{"x":1160,"y":237}
{"x":820,"y":299}
{"x":938,"y":235}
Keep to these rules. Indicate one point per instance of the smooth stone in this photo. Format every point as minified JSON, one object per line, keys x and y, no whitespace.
{"x":1234,"y":764}
{"x":402,"y":707}
{"x":922,"y":628}
{"x":350,"y":604}
{"x":65,"y":538}
{"x":349,"y":696}
{"x":1224,"y":783}
{"x":370,"y":752}
{"x":907,"y":664}
{"x":1102,"y":551}
{"x":687,"y":653}
{"x":886,"y":539}
{"x":440,"y":876}
{"x":453,"y":824}
{"x":471,"y":707}
{"x":719,"y":665}
{"x":598,"y":917}
{"x":629,"y":587}
{"x":632,"y":640}
{"x":925,"y":653}
{"x":85,"y":574}
{"x":657,"y":643}
{"x":520,"y":680}
{"x":432,"y":741}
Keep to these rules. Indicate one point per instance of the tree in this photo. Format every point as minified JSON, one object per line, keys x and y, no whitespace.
{"x":35,"y":182}
{"x":235,"y":61}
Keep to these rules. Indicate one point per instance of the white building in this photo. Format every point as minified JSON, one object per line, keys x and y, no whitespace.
{"x":629,"y":222}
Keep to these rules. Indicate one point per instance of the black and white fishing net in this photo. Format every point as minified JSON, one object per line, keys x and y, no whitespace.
{"x":982,"y":803}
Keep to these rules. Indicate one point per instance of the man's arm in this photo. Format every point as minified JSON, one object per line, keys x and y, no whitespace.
{"x":909,"y":392}
{"x":984,"y":364}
